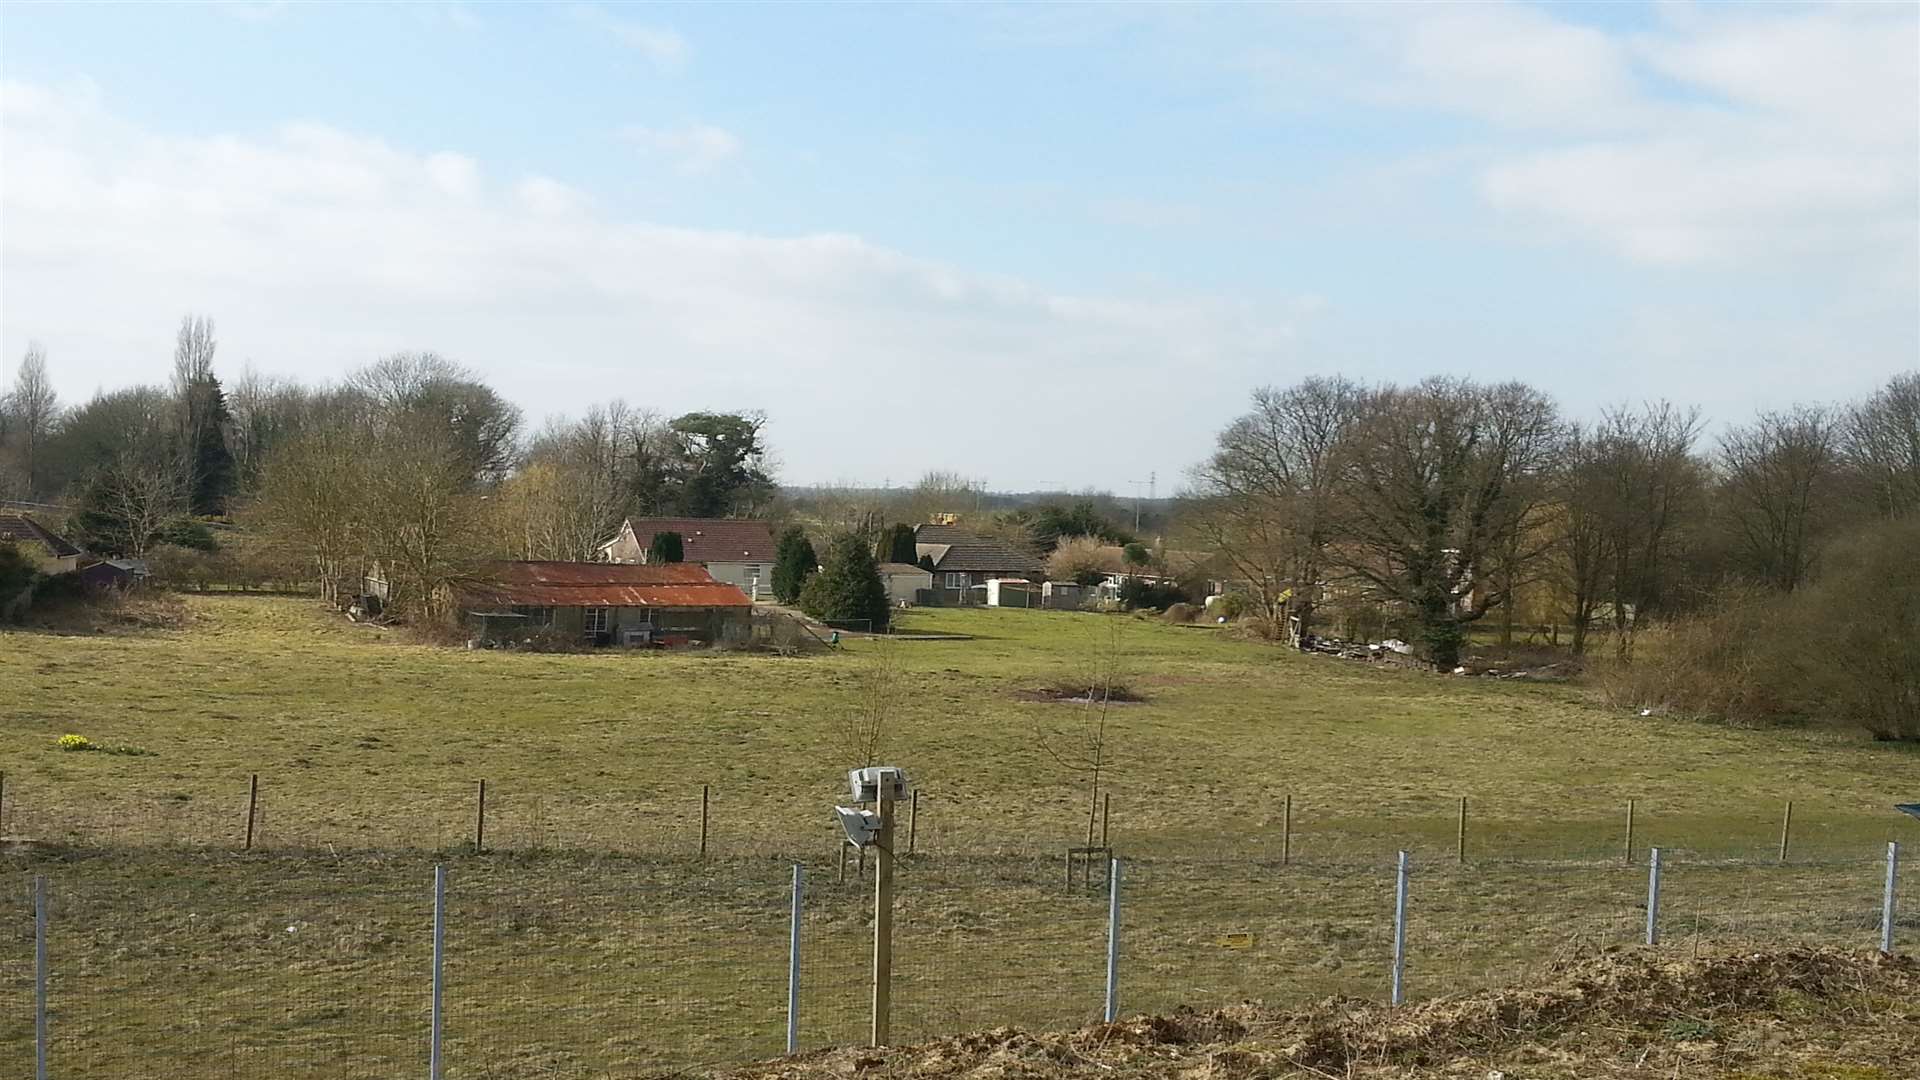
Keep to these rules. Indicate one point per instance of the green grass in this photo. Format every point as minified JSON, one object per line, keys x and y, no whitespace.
{"x":363,"y":741}
{"x":589,"y":943}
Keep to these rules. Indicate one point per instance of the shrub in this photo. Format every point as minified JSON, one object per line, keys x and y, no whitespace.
{"x":1136,"y":593}
{"x":848,"y":588}
{"x":794,"y":561}
{"x":1083,"y":561}
{"x":74,"y":742}
{"x":1844,"y":650}
{"x":667,"y":547}
{"x":1180,"y":613}
{"x":1230,"y":606}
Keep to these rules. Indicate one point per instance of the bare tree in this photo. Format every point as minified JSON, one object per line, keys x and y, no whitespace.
{"x":870,"y":724}
{"x":33,"y":407}
{"x":1653,"y":488}
{"x":1270,"y":491}
{"x":131,"y":500}
{"x":311,"y":503}
{"x":1777,"y":487}
{"x":1525,"y":441}
{"x":1579,"y":558}
{"x":1434,"y":478}
{"x":1880,"y":442}
{"x":1086,"y":746}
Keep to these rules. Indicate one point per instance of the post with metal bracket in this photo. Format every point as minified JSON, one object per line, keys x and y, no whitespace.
{"x":1113,"y":940}
{"x":40,"y":977}
{"x":1887,"y":901}
{"x":793,"y":963}
{"x":1400,"y":934}
{"x":883,"y":920}
{"x":1653,"y":898}
{"x":438,"y":1017}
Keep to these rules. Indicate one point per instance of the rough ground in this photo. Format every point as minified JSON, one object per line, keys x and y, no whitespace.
{"x":1797,"y":1015}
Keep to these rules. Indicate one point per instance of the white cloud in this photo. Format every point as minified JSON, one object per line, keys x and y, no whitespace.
{"x":1719,"y":136}
{"x":693,"y":148}
{"x":318,"y":249}
{"x":662,"y":45}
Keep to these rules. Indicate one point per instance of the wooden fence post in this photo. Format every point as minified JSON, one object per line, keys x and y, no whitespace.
{"x":1629,"y":832}
{"x":706,"y":792}
{"x":1286,"y":831}
{"x":253,"y":800}
{"x":1106,"y":817}
{"x":1460,"y":842}
{"x":480,"y":821}
{"x":1786,"y":830}
{"x":913,"y":822}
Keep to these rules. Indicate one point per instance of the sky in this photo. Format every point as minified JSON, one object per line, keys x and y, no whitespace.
{"x":1049,"y":247}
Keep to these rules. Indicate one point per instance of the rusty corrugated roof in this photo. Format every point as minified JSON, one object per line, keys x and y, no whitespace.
{"x":566,"y":584}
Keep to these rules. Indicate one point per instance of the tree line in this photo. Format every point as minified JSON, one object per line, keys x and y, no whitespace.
{"x":1440,"y":504}
{"x":411,"y":463}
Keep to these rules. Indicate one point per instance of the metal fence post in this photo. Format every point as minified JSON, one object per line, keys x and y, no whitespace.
{"x":1886,"y":902}
{"x":793,"y":964}
{"x":434,"y":1057}
{"x":40,"y":977}
{"x":1653,"y":898}
{"x":1400,"y":933}
{"x":1113,"y":940}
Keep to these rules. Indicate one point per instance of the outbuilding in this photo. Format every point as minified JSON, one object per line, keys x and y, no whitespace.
{"x":607,"y":604}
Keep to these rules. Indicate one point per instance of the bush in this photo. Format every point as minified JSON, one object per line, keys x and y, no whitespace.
{"x":1083,"y":561}
{"x":1136,"y":593}
{"x":667,"y":547}
{"x":1844,"y":650}
{"x":794,"y":561}
{"x":74,"y":742}
{"x":848,"y":588}
{"x":1230,"y":607}
{"x":1180,"y":613}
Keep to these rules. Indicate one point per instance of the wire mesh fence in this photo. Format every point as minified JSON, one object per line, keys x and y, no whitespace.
{"x":270,"y":966}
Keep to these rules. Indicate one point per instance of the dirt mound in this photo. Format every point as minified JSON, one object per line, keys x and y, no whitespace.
{"x":1804,"y":1013}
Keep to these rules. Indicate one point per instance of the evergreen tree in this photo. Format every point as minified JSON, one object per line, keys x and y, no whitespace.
{"x":794,"y":561}
{"x":896,"y":545}
{"x":848,"y":588}
{"x":667,"y":547}
{"x":210,"y":461}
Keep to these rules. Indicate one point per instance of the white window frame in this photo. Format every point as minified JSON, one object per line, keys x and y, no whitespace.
{"x":959,"y":579}
{"x":588,"y":620}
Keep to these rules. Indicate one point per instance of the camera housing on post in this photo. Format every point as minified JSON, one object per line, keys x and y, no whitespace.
{"x":870,"y":784}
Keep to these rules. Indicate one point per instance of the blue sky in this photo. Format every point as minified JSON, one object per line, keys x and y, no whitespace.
{"x":920,"y":218}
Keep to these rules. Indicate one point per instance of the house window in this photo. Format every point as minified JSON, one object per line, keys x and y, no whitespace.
{"x":959,"y":580}
{"x":536,"y":616}
{"x":595,"y":621}
{"x":753,"y":571}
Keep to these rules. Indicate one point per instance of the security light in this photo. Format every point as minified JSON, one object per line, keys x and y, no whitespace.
{"x":861,"y":826}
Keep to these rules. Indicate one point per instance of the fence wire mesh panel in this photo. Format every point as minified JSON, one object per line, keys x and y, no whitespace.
{"x":300,"y":962}
{"x":234,"y":971}
{"x":985,"y":942}
{"x":619,"y":969}
{"x":1718,"y":906}
{"x":16,"y":975}
{"x":1201,"y":934}
{"x":1482,"y":925}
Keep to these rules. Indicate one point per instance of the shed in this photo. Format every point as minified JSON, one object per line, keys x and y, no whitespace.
{"x":609,"y":603}
{"x":904,"y":581}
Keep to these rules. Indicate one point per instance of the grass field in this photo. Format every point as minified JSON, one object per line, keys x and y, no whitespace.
{"x":364,"y":741}
{"x":590,"y":943}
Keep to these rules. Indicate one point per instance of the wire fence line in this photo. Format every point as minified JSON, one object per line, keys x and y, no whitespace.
{"x":271,"y":967}
{"x":770,"y":817}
